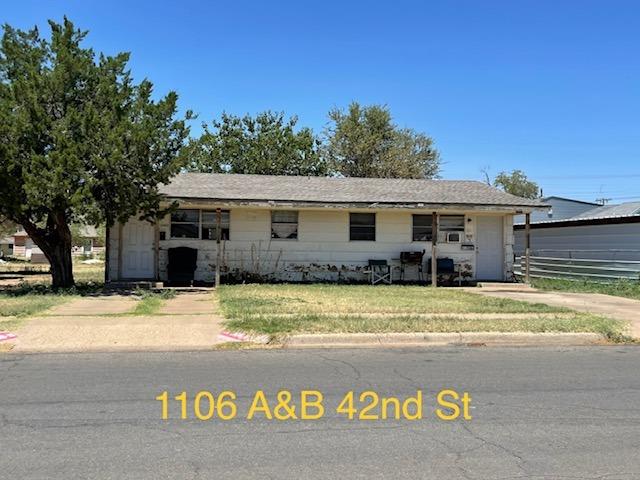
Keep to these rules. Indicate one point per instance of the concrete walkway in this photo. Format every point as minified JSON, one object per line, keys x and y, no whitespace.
{"x":93,"y":324}
{"x":104,"y":305}
{"x":606,"y":305}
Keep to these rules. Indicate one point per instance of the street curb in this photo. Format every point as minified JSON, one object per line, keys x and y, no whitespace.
{"x":443,"y":339}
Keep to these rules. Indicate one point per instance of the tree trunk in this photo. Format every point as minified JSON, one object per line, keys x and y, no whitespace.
{"x":61,"y":265}
{"x":55,"y":242}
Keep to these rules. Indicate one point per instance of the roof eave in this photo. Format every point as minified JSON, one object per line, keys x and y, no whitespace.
{"x":518,"y":208}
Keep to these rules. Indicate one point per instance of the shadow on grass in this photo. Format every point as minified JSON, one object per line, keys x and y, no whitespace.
{"x":80,"y":288}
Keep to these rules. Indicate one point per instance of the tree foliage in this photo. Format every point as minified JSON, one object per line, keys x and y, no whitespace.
{"x":517,"y":183}
{"x":267,"y":144}
{"x":364,"y":142}
{"x":79,"y":140}
{"x":7,"y":227}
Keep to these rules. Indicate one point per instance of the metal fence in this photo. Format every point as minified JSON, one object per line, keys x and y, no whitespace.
{"x":580,"y":265}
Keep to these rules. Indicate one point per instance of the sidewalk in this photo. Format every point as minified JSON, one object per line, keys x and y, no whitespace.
{"x":606,"y":305}
{"x":90,"y":324}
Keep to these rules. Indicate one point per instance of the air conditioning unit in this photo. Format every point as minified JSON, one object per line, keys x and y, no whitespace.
{"x":454,"y":237}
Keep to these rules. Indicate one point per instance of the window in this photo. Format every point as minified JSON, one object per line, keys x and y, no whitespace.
{"x":209,"y":222}
{"x":422,"y":228}
{"x":451,"y":223}
{"x":197,"y":224}
{"x":284,"y":224}
{"x":362,"y":226}
{"x":185,"y":224}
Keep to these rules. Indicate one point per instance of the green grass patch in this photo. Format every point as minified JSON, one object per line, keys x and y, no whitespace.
{"x":287,"y":309}
{"x":150,"y":302}
{"x":27,"y":305}
{"x":86,"y":276}
{"x":281,"y":325}
{"x":621,"y":288}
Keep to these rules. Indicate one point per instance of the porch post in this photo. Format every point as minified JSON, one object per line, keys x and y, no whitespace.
{"x":120,"y":250}
{"x":434,"y":241}
{"x":156,"y":250}
{"x":107,"y":252}
{"x":527,"y":247}
{"x":218,"y":236}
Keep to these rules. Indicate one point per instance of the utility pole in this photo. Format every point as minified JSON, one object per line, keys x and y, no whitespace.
{"x":218,"y":250}
{"x":434,"y":250}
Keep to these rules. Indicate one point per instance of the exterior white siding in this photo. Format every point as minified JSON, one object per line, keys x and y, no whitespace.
{"x":509,"y":241}
{"x":322,"y":251}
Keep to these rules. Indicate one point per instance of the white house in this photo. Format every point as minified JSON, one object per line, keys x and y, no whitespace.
{"x":89,"y":243}
{"x":318,"y":228}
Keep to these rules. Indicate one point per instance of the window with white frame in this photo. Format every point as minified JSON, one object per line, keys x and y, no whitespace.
{"x":209,"y":222}
{"x":422,"y":228}
{"x":185,"y":223}
{"x":362,"y":226}
{"x":284,"y":224}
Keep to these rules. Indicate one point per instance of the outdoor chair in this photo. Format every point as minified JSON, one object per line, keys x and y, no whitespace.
{"x":446,"y":267}
{"x":411,"y":259}
{"x":379,"y":272}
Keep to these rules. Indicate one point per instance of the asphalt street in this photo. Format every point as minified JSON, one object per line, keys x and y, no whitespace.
{"x":537,"y":413}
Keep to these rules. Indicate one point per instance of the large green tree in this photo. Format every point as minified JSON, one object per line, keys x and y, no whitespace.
{"x":265,"y":144}
{"x":7,"y":227}
{"x":79,"y":140}
{"x":517,"y":183}
{"x":363,"y":141}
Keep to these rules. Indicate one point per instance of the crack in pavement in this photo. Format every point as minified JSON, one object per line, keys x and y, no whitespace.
{"x":520,"y":461}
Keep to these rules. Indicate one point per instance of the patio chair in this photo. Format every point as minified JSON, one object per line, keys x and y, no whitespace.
{"x":411,"y":259}
{"x":379,"y":272}
{"x":446,"y":267}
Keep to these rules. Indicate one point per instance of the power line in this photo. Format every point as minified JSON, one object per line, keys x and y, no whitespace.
{"x":585,"y":177}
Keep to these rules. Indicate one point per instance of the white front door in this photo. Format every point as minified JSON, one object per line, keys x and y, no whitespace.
{"x":137,"y":249}
{"x":489,"y":248}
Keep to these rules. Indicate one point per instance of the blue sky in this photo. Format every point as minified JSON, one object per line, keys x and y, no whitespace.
{"x":550,"y":87}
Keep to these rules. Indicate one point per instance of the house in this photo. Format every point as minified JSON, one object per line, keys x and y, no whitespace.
{"x":559,"y":209}
{"x":288,"y":228}
{"x":89,"y":243}
{"x":6,"y":246}
{"x":606,"y":232}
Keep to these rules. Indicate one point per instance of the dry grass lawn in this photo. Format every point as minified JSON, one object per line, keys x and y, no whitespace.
{"x":286,"y":309}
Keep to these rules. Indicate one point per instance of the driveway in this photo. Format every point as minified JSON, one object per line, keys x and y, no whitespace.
{"x":606,"y":305}
{"x":188,"y":321}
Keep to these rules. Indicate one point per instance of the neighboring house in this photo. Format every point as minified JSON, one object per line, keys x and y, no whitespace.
{"x":319,"y":228}
{"x":559,"y":208}
{"x":6,"y":246}
{"x":90,"y":243}
{"x":610,"y":232}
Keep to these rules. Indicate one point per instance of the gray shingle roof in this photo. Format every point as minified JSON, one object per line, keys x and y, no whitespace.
{"x":86,"y":231}
{"x":234,"y":187}
{"x":621,"y":210}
